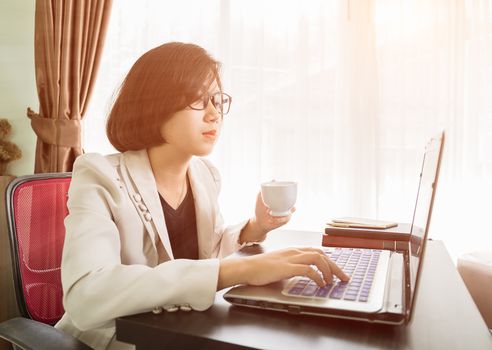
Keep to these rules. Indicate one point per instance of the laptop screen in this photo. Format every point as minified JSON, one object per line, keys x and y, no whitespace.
{"x":423,"y":209}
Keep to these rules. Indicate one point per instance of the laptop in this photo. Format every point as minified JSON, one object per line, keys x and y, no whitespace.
{"x":383,"y":284}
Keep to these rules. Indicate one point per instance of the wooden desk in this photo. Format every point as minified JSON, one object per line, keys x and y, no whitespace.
{"x":445,"y":317}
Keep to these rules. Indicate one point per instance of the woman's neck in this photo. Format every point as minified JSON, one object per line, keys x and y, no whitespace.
{"x":169,"y":168}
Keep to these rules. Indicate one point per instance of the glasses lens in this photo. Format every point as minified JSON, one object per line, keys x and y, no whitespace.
{"x":218,"y":103}
{"x":226,"y":103}
{"x":221,"y":102}
{"x":201,"y":103}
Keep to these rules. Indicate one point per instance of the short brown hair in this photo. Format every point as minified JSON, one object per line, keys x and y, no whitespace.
{"x":162,"y":81}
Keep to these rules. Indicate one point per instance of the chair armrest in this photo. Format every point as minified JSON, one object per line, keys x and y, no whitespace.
{"x":30,"y":335}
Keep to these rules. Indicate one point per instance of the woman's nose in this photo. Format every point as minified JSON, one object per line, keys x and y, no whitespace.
{"x":211,"y":114}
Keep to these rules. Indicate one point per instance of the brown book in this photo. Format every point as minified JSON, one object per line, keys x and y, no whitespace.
{"x":367,"y":243}
{"x":401,"y":232}
{"x":392,"y":238}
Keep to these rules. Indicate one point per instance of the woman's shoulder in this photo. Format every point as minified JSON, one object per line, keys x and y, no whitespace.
{"x":95,"y":162}
{"x":96,"y":183}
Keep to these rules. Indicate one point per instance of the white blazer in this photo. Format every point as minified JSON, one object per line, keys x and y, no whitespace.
{"x":110,"y":260}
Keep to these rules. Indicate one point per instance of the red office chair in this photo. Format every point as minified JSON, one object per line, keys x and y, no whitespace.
{"x":36,"y":208}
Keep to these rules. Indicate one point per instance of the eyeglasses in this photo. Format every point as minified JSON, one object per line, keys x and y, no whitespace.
{"x":221,"y":102}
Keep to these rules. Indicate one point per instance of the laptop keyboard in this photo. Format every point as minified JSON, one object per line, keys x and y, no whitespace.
{"x":359,"y":264}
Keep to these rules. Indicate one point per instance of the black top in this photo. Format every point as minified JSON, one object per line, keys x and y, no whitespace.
{"x":181,"y":227}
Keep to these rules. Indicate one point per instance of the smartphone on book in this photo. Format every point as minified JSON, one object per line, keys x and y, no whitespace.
{"x":362,"y":223}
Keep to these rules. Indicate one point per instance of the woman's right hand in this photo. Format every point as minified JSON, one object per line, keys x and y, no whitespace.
{"x":270,"y":267}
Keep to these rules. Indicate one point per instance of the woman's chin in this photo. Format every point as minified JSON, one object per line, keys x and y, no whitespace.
{"x":204,"y":151}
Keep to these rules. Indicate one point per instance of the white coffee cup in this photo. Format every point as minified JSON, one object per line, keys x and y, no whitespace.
{"x":279,"y":196}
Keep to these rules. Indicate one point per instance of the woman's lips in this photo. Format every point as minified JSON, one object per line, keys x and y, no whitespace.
{"x":211,"y":133}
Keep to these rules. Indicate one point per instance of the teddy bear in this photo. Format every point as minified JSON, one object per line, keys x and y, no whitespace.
{"x":8,"y":150}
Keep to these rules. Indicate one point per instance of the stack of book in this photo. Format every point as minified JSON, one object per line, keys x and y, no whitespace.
{"x":349,"y":232}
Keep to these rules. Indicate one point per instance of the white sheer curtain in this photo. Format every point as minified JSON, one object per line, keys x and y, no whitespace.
{"x":340,"y":96}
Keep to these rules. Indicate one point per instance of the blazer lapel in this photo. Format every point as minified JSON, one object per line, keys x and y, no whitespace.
{"x":140,"y":172}
{"x":204,"y":206}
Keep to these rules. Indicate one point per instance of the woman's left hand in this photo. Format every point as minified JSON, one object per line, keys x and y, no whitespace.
{"x":266,"y":222}
{"x":262,"y":223}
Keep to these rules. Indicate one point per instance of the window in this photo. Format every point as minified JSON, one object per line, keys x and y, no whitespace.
{"x":340,"y":96}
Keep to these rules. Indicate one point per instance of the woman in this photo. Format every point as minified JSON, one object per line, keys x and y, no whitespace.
{"x":144,"y":230}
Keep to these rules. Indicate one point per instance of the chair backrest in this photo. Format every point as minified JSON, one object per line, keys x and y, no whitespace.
{"x":36,"y":209}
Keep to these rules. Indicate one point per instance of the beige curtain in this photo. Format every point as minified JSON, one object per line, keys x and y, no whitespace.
{"x":69,"y":38}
